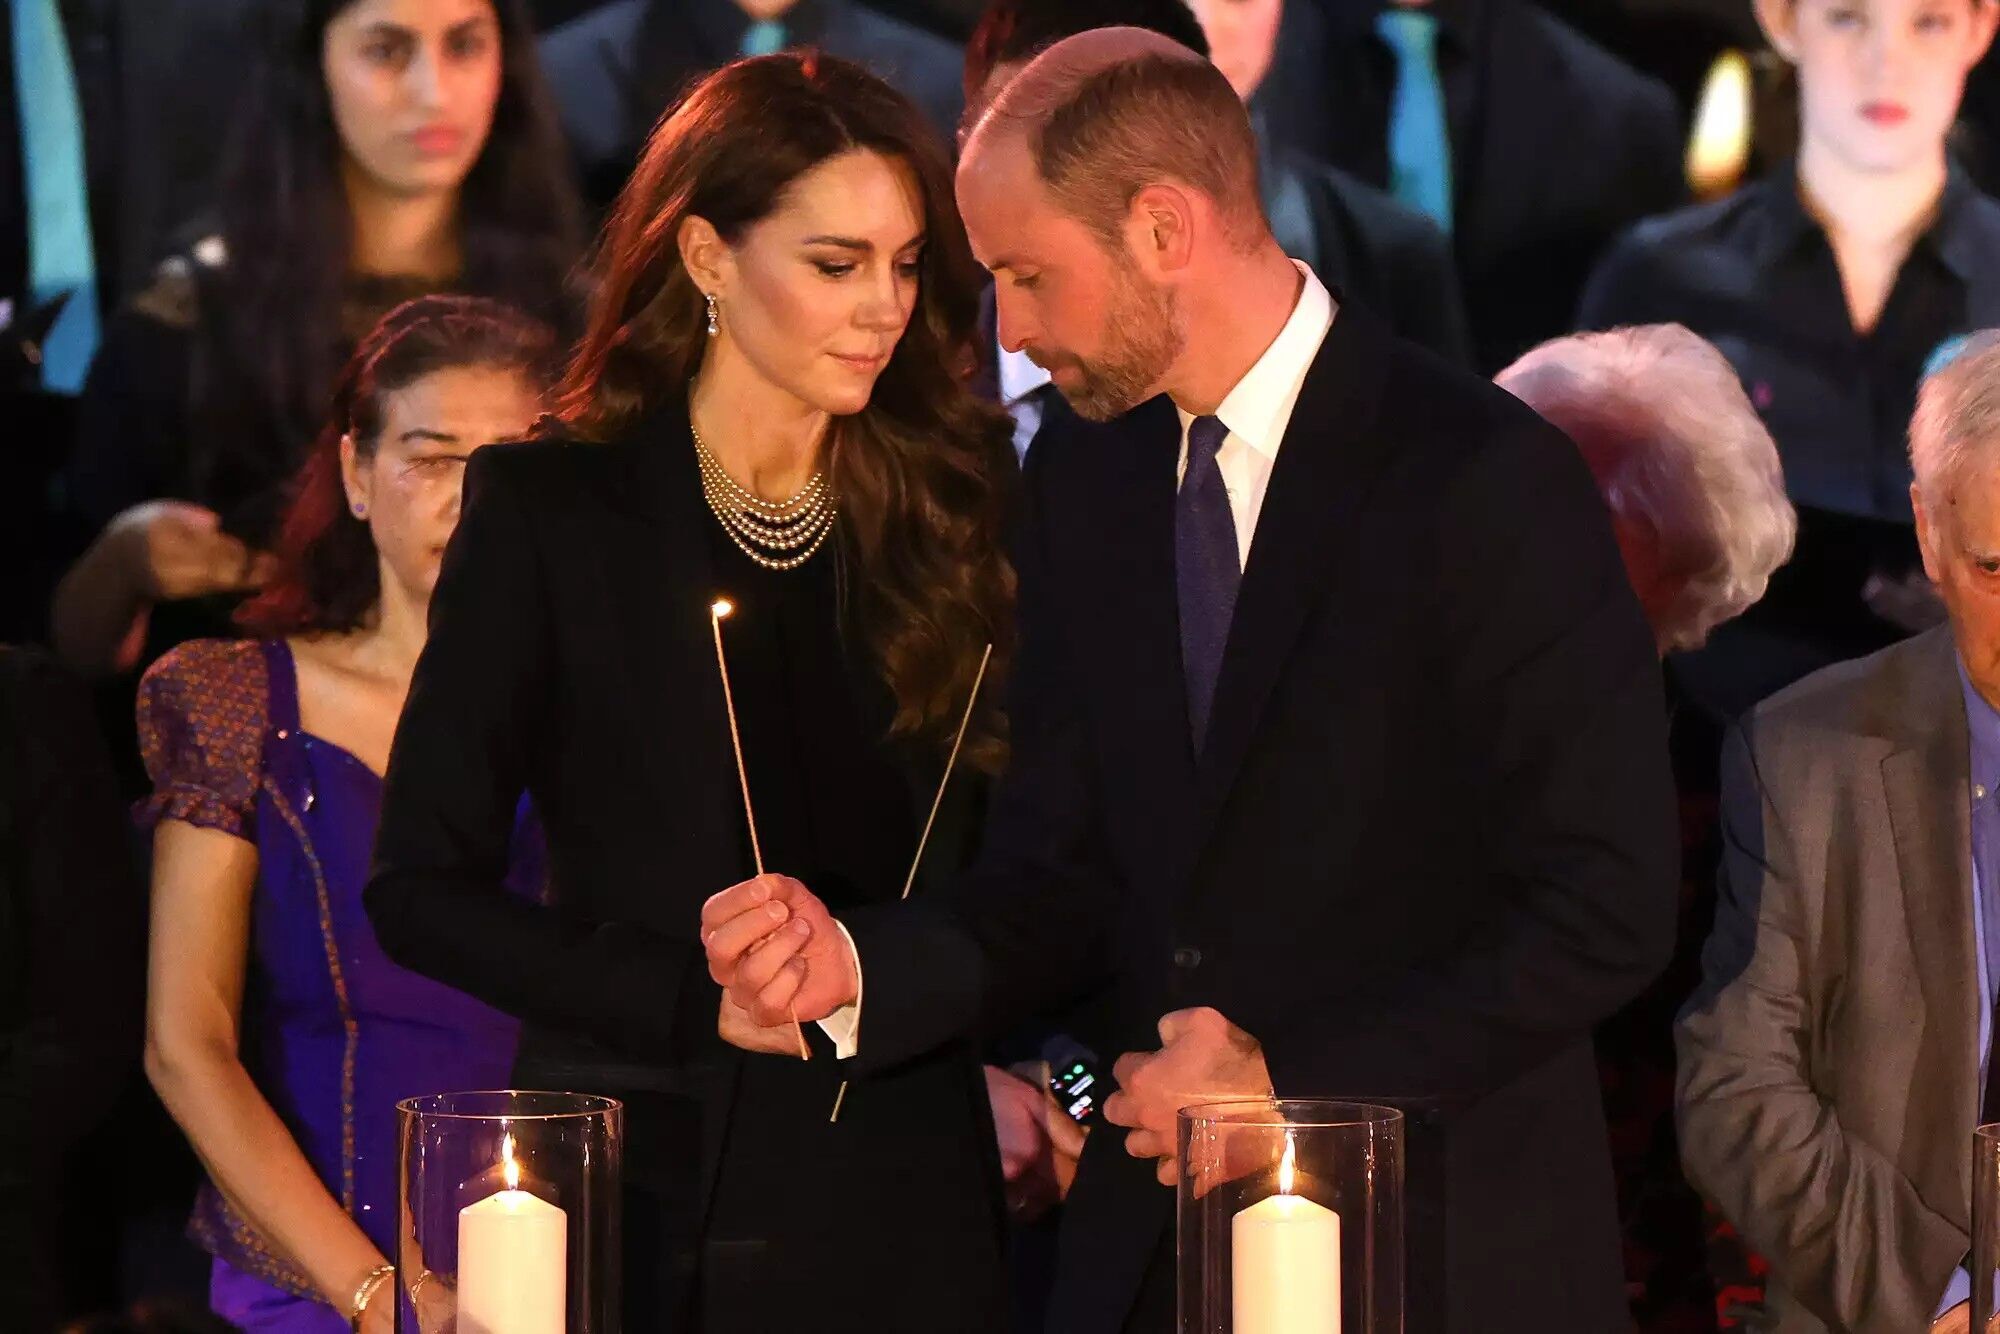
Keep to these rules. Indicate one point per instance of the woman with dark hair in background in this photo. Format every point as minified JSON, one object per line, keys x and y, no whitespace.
{"x":391,"y":148}
{"x":767,"y":406}
{"x":277,"y":1033}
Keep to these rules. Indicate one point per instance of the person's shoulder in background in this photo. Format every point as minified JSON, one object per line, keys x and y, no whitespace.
{"x":1392,"y":258}
{"x":919,"y":64}
{"x":1656,"y":271}
{"x":1626,"y":99}
{"x":588,"y":63}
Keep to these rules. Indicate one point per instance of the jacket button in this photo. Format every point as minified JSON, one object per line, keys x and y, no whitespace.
{"x":1187,"y":957}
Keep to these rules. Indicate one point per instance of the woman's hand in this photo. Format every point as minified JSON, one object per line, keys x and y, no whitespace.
{"x":737,"y":1030}
{"x":436,"y":1304}
{"x":379,"y":1316}
{"x":776,"y":951}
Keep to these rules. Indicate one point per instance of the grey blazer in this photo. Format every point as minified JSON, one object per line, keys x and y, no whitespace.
{"x":1828,"y":1072}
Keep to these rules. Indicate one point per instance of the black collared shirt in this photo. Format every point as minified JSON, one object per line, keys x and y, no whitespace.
{"x":1755,"y":275}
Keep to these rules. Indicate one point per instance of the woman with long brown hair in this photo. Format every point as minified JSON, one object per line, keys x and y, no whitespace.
{"x":766,"y":407}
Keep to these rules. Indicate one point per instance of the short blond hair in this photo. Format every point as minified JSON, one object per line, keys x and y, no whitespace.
{"x":1678,"y":451}
{"x":1111,"y":111}
{"x":1957,"y":421}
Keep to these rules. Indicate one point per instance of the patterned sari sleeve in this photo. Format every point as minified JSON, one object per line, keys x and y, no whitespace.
{"x":202,"y":711}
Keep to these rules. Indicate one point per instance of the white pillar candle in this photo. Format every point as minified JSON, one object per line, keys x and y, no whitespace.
{"x":512,"y":1260}
{"x":1285,"y":1262}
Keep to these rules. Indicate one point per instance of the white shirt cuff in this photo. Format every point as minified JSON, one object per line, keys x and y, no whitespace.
{"x":843,"y":1026}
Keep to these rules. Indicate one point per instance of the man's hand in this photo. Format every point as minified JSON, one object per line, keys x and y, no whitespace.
{"x":736,"y":1029}
{"x":1958,"y":1320}
{"x":1202,"y":1058}
{"x":177,"y":550}
{"x":776,"y":952}
{"x":1039,"y":1143}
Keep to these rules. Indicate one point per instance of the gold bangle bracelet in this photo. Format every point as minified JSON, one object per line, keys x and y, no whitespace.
{"x":365,"y":1293}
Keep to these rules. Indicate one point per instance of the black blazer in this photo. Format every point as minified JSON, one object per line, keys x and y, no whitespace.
{"x":1429,"y":843}
{"x":570,"y":656}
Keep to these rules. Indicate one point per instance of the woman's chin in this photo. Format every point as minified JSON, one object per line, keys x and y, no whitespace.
{"x":844,"y":400}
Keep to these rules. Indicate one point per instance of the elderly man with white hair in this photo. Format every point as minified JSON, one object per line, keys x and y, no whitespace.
{"x":1691,"y":476}
{"x":1834,"y":1060}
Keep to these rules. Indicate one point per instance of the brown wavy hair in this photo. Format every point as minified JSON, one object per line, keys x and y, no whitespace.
{"x":920,"y":470}
{"x":328,"y":578}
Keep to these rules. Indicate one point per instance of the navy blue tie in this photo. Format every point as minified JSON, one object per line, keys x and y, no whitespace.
{"x":1207,"y":568}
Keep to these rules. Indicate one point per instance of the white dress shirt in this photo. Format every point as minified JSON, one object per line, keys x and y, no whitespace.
{"x":1256,"y":411}
{"x":1259,"y":408}
{"x":1018,"y":379}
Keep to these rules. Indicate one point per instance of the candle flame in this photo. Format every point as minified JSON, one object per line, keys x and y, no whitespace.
{"x":721,"y":607}
{"x":1288,"y":1166}
{"x":509,"y":1169}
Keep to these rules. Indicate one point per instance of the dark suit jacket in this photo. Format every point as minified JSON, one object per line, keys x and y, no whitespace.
{"x":570,"y":657}
{"x":1428,"y":845}
{"x":617,"y":69}
{"x":1557,"y":146}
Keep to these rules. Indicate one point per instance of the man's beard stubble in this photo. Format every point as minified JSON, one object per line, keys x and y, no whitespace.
{"x":1143,"y":339}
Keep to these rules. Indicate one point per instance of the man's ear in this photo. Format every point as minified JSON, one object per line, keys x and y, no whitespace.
{"x":1160,"y":227}
{"x":1928,"y":536}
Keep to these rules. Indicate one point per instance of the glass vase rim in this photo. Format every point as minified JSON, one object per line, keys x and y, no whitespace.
{"x":589,"y":1106}
{"x":1989,"y":1130}
{"x":1319,"y":1113}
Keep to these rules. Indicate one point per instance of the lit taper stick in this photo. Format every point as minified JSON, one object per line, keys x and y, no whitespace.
{"x":951,"y":761}
{"x":718,"y":609}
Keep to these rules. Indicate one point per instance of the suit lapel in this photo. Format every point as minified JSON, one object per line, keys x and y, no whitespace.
{"x":661,"y":581}
{"x":1924,"y":780}
{"x":1133,"y":620}
{"x":1329,"y":457}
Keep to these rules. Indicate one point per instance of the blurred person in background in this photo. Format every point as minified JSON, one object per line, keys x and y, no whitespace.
{"x":106,"y":148}
{"x":1832,"y":284}
{"x":278,"y":1034}
{"x":1699,"y":510}
{"x":391,"y":148}
{"x":1527,"y":143}
{"x":620,"y":67}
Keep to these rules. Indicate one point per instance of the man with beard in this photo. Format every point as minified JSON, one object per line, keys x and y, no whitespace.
{"x":1338,"y":750}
